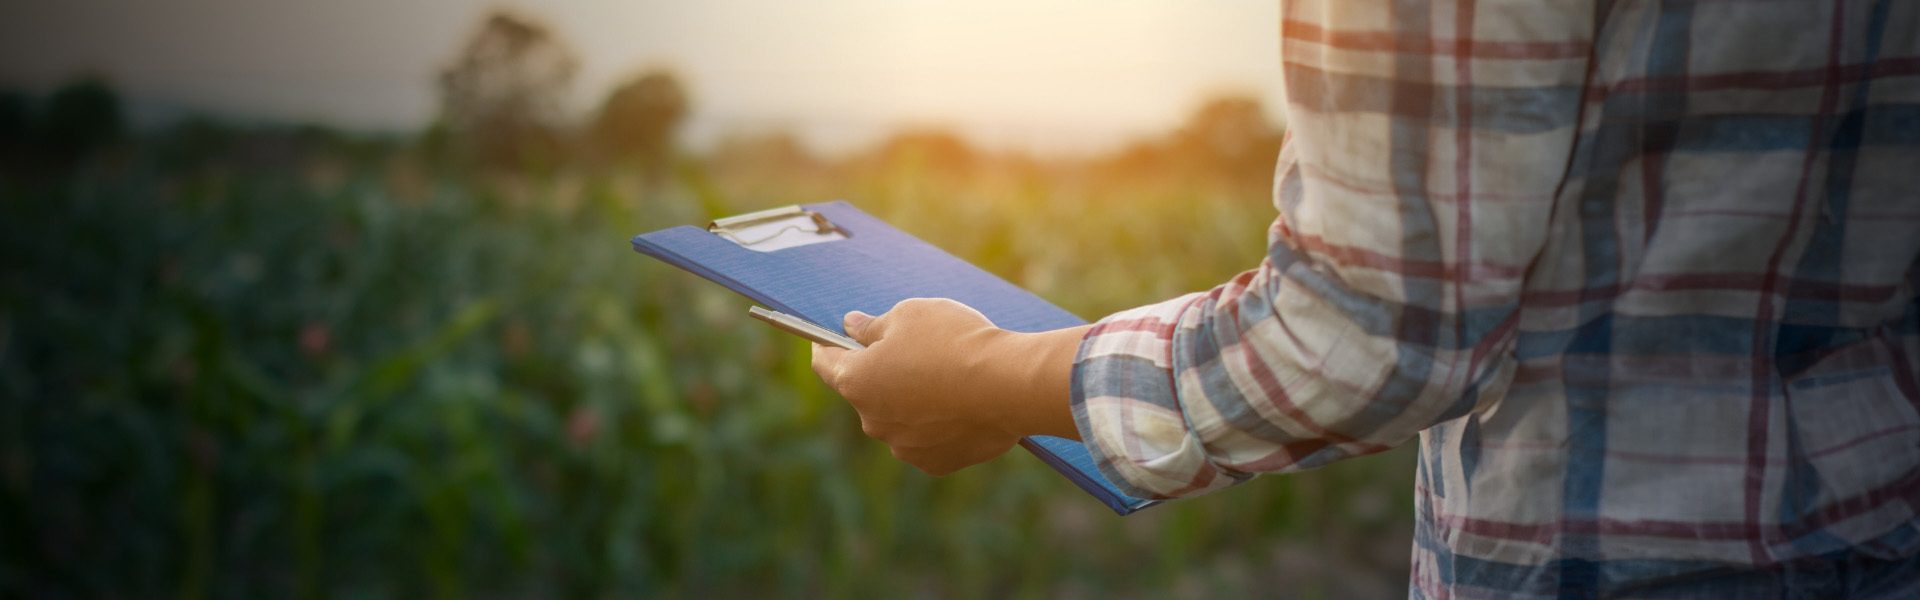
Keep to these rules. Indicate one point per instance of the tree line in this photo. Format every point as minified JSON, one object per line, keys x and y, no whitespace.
{"x":503,"y":109}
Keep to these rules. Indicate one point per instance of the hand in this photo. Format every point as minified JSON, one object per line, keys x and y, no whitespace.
{"x":946,"y":389}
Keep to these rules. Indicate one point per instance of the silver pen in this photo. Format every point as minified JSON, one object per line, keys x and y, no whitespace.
{"x":800,"y":327}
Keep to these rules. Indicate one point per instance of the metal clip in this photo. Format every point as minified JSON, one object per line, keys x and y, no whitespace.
{"x":769,"y":230}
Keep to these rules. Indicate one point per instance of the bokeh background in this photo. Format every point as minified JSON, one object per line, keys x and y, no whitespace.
{"x":335,"y":299}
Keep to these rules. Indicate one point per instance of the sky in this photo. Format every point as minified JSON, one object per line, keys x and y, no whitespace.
{"x":1039,"y":75}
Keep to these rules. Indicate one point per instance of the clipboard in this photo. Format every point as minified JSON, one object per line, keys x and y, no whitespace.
{"x":818,"y":262}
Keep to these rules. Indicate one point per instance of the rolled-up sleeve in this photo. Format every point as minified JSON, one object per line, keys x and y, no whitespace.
{"x":1388,"y":297}
{"x":1287,"y":366}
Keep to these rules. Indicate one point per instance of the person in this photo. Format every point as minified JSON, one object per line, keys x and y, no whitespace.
{"x":1640,"y":277}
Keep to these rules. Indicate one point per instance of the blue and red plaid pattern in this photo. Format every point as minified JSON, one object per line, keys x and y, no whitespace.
{"x":1639,"y":275}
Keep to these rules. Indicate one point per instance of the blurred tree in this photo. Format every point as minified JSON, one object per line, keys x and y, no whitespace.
{"x":1228,"y":137}
{"x":1231,"y":135}
{"x":80,"y":118}
{"x":16,"y":124}
{"x":928,"y":151}
{"x":777,"y":152}
{"x":638,"y":120}
{"x":1140,"y":156}
{"x":194,"y":140}
{"x":502,"y":96}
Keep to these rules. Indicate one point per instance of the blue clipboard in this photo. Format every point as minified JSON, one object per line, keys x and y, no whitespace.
{"x":821,"y":261}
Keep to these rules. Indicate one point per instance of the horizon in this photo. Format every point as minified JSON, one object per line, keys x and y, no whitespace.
{"x":1049,"y":77}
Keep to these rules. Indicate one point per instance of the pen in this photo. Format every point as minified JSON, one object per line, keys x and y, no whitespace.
{"x":802,"y":328}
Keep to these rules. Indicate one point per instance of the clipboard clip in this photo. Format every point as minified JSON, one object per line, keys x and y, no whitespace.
{"x":777,"y":228}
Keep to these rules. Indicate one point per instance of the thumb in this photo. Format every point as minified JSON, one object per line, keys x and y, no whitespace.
{"x":860,"y":327}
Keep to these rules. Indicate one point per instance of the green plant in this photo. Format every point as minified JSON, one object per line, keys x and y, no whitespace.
{"x":354,"y":376}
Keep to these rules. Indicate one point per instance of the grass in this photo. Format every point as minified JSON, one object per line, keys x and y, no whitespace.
{"x":352,"y":374}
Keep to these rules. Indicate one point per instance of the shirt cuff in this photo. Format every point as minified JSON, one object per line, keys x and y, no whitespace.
{"x":1127,"y":407}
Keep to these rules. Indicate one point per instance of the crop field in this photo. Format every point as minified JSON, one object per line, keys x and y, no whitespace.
{"x":325,"y":367}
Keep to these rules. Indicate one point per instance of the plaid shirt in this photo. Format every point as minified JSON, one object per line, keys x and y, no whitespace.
{"x":1640,"y":276}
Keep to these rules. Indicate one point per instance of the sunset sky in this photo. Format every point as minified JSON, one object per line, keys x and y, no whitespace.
{"x":1046,"y":75}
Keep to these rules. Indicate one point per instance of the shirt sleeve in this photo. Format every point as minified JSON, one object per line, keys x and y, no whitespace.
{"x":1387,"y":300}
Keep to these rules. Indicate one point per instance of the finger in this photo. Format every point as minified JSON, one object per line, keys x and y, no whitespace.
{"x":932,"y":462}
{"x":927,"y":461}
{"x":940,"y":466}
{"x":865,"y":328}
{"x":826,"y":363}
{"x":943,"y":460}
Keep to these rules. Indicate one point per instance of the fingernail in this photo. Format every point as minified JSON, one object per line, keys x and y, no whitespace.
{"x":857,"y":319}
